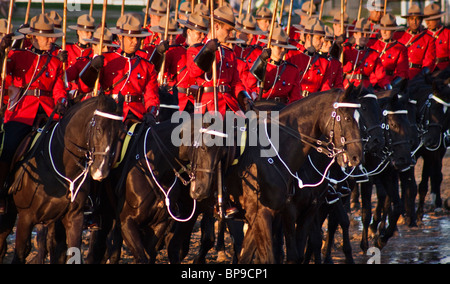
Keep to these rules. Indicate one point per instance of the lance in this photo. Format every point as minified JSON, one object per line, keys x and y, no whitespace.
{"x":102,"y":33}
{"x":91,"y":8}
{"x":321,"y":10}
{"x":240,"y":8}
{"x":146,"y":15}
{"x":269,"y":45}
{"x":311,"y":7}
{"x":8,"y":31}
{"x":192,"y":6}
{"x":216,"y":110}
{"x":249,"y":7}
{"x":291,"y":7}
{"x":342,"y":27}
{"x":122,"y":10}
{"x":281,"y":11}
{"x":360,"y":9}
{"x":385,"y":5}
{"x":63,"y":45}
{"x":177,"y":4}
{"x":166,"y":35}
{"x":43,"y":6}
{"x":27,"y":14}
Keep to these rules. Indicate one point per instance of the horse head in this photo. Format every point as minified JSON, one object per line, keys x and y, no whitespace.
{"x":398,"y":131}
{"x":204,"y":153}
{"x":103,"y":132}
{"x":369,"y":119}
{"x":344,"y":130}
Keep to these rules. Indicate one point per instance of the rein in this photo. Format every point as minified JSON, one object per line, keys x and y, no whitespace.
{"x":166,"y":194}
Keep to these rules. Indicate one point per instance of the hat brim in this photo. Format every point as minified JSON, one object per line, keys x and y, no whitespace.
{"x":162,"y":31}
{"x":236,"y":41}
{"x":245,"y":30}
{"x":434,"y":17}
{"x":77,"y":28}
{"x":360,"y":31}
{"x":117,"y":31}
{"x":306,"y":14}
{"x":274,"y":43}
{"x":96,"y":41}
{"x":407,"y":16}
{"x":383,"y":28}
{"x":28,"y":31}
{"x":191,"y":27}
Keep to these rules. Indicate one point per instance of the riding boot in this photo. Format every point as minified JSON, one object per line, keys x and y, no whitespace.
{"x":4,"y":171}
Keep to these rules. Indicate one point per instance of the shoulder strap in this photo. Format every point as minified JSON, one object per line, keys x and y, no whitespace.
{"x":138,"y":59}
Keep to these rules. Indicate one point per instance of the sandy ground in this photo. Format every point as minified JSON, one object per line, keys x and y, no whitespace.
{"x":429,"y":243}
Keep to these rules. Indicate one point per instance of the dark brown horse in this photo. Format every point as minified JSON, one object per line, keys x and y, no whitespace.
{"x":50,"y":183}
{"x":309,"y":206}
{"x":263,"y":184}
{"x":155,"y":172}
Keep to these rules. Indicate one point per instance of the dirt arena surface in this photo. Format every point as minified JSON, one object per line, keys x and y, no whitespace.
{"x":427,"y":244}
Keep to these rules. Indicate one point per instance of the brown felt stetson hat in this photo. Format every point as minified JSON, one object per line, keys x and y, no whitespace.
{"x":225,"y":15}
{"x":247,"y":24}
{"x":329,"y":33}
{"x":279,"y":38}
{"x":56,"y":18}
{"x":130,"y":26}
{"x":337,"y":19}
{"x":432,"y":12}
{"x":158,"y":8}
{"x":202,"y":9}
{"x":107,"y":38}
{"x":4,"y":27}
{"x":173,"y":27}
{"x":314,"y":27}
{"x":42,"y":25}
{"x":362,"y":26}
{"x":263,"y":13}
{"x":196,"y":22}
{"x":84,"y":23}
{"x":414,"y":10}
{"x":376,"y":5}
{"x":306,"y":8}
{"x":185,"y":8}
{"x":388,"y":23}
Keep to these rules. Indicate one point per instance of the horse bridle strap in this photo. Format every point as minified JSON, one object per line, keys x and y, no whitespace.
{"x":108,"y":115}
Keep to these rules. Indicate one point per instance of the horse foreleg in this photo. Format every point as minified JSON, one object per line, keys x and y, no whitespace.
{"x":73,"y":223}
{"x":207,"y":237}
{"x":366,"y":214}
{"x":248,"y":247}
{"x":289,"y":218}
{"x":409,"y":193}
{"x":23,"y":239}
{"x":7,"y":222}
{"x":133,"y":240}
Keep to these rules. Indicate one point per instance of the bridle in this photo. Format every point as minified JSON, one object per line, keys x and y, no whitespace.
{"x":89,"y":155}
{"x":327,"y":148}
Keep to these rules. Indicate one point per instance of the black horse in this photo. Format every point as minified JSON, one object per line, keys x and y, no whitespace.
{"x":49,"y":183}
{"x":433,"y":153}
{"x":398,"y":137}
{"x":263,"y":184}
{"x":311,"y":207}
{"x":152,"y":183}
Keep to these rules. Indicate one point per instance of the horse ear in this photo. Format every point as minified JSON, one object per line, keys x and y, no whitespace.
{"x":348,"y":92}
{"x":119,"y":102}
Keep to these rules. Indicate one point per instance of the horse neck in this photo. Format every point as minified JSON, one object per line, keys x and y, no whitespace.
{"x":307,"y":121}
{"x":68,"y":151}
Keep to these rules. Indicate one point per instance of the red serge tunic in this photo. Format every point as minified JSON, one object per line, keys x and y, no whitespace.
{"x":282,"y":82}
{"x":140,"y":87}
{"x":363,"y":66}
{"x":442,"y":42}
{"x":227,"y":79}
{"x":394,"y":57}
{"x":421,"y":50}
{"x":22,"y":66}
